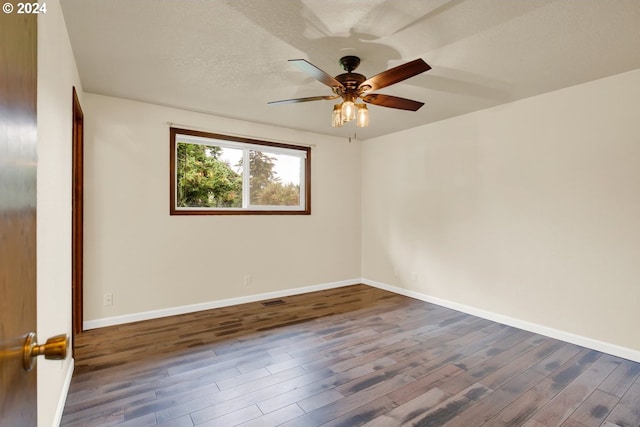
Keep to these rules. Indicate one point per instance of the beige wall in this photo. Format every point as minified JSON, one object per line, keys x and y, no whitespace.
{"x":528,"y":210}
{"x":57,"y":74}
{"x":150,"y":260}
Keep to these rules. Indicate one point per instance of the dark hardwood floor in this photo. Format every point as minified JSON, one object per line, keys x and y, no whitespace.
{"x":353,"y":356}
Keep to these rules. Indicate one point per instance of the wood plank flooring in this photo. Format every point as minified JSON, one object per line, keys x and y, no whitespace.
{"x":353,"y":356}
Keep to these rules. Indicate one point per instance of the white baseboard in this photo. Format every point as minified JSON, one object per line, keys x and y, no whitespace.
{"x":580,"y":340}
{"x":605,"y":347}
{"x":172,"y":311}
{"x":63,"y":396}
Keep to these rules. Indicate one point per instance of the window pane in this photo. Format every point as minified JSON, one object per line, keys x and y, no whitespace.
{"x":218,"y":174}
{"x":274,"y":179}
{"x":208,"y":176}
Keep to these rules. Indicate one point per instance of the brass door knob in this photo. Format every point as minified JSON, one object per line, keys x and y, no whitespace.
{"x":54,"y":349}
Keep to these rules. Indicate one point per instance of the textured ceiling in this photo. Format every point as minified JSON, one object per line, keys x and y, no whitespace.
{"x":229,"y":58}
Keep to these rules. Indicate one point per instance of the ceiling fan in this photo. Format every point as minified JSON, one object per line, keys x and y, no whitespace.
{"x":350,"y":86}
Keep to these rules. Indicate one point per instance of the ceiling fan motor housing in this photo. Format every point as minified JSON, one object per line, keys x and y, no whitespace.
{"x":350,"y":80}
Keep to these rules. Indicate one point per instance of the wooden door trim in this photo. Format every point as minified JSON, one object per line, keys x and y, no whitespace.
{"x":77,"y":213}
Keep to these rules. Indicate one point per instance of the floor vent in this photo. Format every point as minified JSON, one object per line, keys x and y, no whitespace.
{"x":274,"y":302}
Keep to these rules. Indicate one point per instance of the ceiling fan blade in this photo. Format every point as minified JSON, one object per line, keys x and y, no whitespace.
{"x":396,"y":74}
{"x":316,"y":73}
{"x":311,"y":98}
{"x":392,"y":102}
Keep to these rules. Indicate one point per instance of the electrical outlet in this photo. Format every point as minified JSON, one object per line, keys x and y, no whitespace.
{"x":247,"y":280}
{"x":414,"y":276}
{"x":107,"y":299}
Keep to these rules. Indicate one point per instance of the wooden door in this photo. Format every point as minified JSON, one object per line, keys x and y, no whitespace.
{"x":18,"y":162}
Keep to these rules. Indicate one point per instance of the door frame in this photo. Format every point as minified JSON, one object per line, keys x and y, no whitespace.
{"x":77,"y":215}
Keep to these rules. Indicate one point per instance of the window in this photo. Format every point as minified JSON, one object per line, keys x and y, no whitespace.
{"x":210,"y":176}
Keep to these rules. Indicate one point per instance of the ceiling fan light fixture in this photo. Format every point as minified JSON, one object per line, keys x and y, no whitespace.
{"x":336,"y":116}
{"x":348,"y":110}
{"x":362,"y":116}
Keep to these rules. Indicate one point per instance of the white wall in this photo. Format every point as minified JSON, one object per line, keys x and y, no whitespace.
{"x":57,"y":74}
{"x":530,"y":210}
{"x":150,"y":260}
